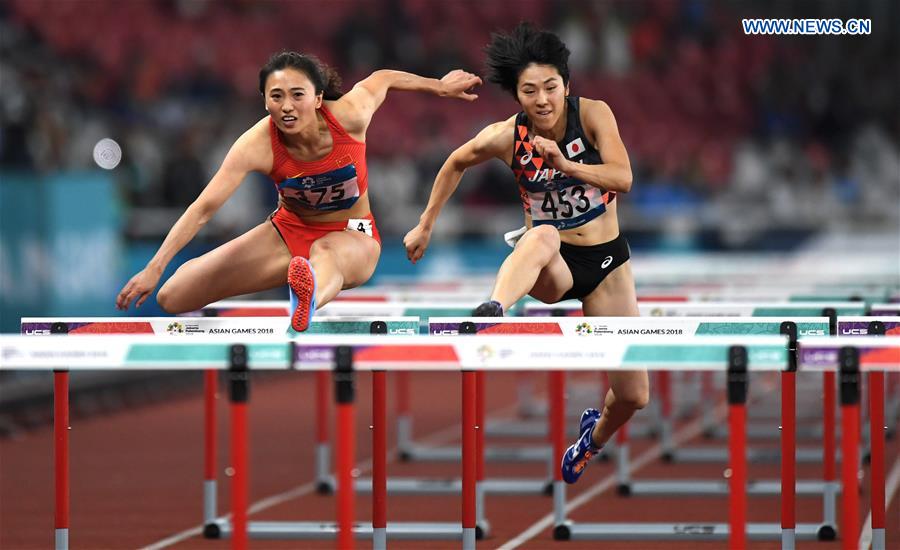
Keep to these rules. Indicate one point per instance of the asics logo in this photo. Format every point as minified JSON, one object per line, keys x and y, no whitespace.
{"x":526,"y":158}
{"x":582,"y":463}
{"x":606,"y":262}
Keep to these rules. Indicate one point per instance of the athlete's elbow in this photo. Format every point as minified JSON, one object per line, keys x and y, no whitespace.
{"x":625,"y":181}
{"x":202,"y":211}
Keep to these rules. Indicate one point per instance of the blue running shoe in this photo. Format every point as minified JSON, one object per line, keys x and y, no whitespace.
{"x":302,"y":282}
{"x":576,"y":457}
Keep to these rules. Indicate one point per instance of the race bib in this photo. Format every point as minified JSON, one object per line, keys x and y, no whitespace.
{"x":360,"y":224}
{"x":566,"y":208}
{"x":334,"y":190}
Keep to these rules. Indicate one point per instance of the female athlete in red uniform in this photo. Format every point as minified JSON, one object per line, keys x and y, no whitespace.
{"x":569,"y":161}
{"x":312,"y":145}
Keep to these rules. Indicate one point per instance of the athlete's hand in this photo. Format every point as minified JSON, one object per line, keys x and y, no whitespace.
{"x":416,"y":241}
{"x":456,"y":83}
{"x":140,"y":286}
{"x":549,"y":151}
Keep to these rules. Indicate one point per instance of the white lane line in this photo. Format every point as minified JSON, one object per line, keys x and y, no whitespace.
{"x":435,"y":438}
{"x":893,"y":483}
{"x":693,"y":429}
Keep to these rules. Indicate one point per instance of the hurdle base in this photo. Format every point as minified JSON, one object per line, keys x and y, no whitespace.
{"x":720,"y":454}
{"x":681,"y":531}
{"x":327,"y":530}
{"x":325,"y":486}
{"x":562,"y":531}
{"x":826,"y":532}
{"x":482,"y":530}
{"x":702,"y":487}
{"x":540,"y":453}
{"x":212,"y":531}
{"x":453,"y":486}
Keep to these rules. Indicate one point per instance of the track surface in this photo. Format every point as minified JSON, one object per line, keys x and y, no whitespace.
{"x":136,"y":476}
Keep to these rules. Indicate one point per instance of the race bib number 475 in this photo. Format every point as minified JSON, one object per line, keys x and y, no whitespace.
{"x":334,"y":190}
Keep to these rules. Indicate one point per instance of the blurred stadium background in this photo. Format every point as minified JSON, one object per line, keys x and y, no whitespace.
{"x":738,"y":142}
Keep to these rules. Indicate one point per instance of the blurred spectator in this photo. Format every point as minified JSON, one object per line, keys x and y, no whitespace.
{"x":802,"y":131}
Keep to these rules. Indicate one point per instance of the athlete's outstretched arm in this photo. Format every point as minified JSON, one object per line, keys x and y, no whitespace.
{"x":243,"y":157}
{"x":491,"y":142}
{"x":600,"y":125}
{"x":355,"y":108}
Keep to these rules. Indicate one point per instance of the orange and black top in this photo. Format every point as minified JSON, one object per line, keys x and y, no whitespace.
{"x":332,"y":183}
{"x":548,"y":195}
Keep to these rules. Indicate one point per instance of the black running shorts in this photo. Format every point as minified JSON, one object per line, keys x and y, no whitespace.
{"x":591,"y":264}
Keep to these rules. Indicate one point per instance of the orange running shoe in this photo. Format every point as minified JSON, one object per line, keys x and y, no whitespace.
{"x":302,"y":282}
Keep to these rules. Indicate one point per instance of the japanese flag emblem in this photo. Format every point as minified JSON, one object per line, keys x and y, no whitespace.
{"x":574,"y":148}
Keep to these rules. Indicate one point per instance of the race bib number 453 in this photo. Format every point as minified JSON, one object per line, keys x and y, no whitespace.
{"x":566,"y":207}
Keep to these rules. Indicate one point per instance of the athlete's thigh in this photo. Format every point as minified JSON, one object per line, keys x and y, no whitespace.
{"x":255,"y":261}
{"x":615,"y":296}
{"x":553,"y":281}
{"x":355,"y":253}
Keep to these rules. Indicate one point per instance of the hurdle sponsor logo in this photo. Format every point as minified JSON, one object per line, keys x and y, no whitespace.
{"x":650,"y":331}
{"x":694,"y":529}
{"x":402,"y":331}
{"x":10,"y":352}
{"x":812,"y":332}
{"x":825,"y":358}
{"x":485,"y":353}
{"x":36,"y":331}
{"x":261,"y":330}
{"x":178,"y":328}
{"x":583,"y":329}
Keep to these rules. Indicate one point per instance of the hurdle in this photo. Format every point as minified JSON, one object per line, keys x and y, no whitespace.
{"x":852,"y":357}
{"x":214,"y":525}
{"x":408,"y":449}
{"x":892,"y":380}
{"x":774,"y":309}
{"x":845,"y":355}
{"x":373,"y":352}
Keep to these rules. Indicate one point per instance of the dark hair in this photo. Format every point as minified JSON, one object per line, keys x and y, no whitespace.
{"x":324,"y":78}
{"x":509,"y":54}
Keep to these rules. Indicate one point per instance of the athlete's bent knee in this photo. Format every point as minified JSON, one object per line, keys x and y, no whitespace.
{"x":542,"y":239}
{"x":168,"y":300}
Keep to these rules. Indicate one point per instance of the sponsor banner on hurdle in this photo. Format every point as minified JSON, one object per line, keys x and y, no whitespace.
{"x":572,"y":308}
{"x":859,"y":326}
{"x":875,"y":352}
{"x":885,"y":309}
{"x":313,"y":352}
{"x":213,"y":326}
{"x":630,"y":326}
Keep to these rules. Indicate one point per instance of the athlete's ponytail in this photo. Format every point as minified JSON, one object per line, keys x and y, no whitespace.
{"x":325,"y":79}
